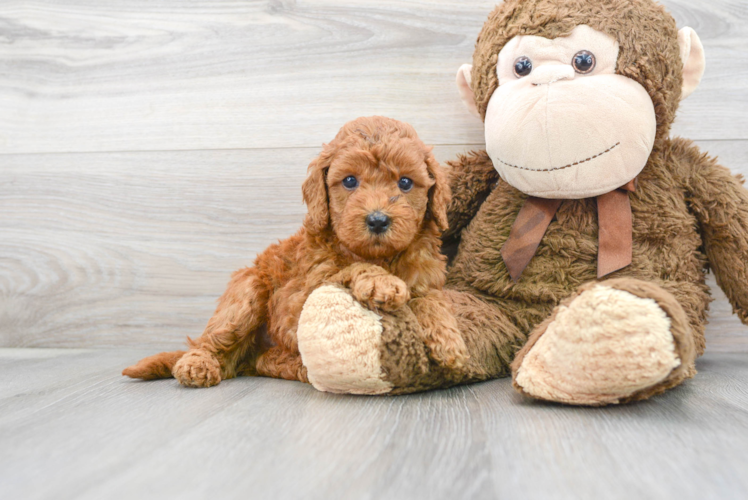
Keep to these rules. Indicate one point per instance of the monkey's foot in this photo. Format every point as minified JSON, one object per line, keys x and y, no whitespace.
{"x":614,"y":342}
{"x":347,"y":348}
{"x":197,"y":369}
{"x":340,"y":343}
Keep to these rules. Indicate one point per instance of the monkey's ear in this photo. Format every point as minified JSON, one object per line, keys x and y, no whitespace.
{"x":314,"y":190}
{"x":464,"y":86}
{"x":692,"y":56}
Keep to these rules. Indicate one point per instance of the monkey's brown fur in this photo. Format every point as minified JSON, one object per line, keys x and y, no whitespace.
{"x":690,"y":215}
{"x":403,"y":265}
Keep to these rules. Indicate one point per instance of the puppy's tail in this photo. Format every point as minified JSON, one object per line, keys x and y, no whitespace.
{"x":154,"y":367}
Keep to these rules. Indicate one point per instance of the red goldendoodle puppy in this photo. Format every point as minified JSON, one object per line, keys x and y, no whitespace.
{"x":377,"y":202}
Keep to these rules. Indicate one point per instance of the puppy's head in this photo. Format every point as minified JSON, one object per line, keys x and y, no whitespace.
{"x":378,"y":187}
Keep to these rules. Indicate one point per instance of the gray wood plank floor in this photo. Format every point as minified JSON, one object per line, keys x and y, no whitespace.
{"x":71,"y":427}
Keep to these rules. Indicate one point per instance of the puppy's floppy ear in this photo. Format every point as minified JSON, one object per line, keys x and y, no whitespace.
{"x":439,"y":194}
{"x":314,"y":191}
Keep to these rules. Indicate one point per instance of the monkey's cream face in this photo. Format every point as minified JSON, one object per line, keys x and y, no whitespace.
{"x":562,"y":124}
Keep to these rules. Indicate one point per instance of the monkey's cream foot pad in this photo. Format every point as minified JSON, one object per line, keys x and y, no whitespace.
{"x":606,"y":345}
{"x":340,"y":343}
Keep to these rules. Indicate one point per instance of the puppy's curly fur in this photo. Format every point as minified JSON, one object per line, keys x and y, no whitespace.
{"x":383,"y":270}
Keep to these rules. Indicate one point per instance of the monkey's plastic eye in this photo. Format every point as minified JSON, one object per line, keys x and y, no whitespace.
{"x":522,"y":66}
{"x":405,"y":184}
{"x":350,"y":182}
{"x":583,"y":62}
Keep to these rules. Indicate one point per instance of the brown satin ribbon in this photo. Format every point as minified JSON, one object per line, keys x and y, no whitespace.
{"x":615,"y":237}
{"x":527,"y":231}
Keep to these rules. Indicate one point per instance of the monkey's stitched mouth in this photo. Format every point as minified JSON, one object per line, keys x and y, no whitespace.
{"x":565,"y":166}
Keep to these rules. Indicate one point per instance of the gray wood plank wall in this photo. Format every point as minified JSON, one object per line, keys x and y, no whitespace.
{"x":147,"y":149}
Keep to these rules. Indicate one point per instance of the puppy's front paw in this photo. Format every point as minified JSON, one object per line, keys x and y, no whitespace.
{"x":197,"y":369}
{"x":449,"y":350}
{"x":381,"y":291}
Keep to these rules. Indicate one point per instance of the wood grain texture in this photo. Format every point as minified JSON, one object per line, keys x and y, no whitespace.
{"x":71,"y":427}
{"x":148,"y":149}
{"x":133,"y":249}
{"x":140,"y":244}
{"x":102,"y":249}
{"x":82,"y":75}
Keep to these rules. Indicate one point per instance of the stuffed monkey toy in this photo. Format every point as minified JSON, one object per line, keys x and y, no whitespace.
{"x":581,"y":234}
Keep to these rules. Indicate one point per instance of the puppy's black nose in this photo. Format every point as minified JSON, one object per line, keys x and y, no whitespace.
{"x":377,"y":222}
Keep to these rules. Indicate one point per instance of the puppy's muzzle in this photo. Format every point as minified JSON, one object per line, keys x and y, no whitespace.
{"x":377,"y":222}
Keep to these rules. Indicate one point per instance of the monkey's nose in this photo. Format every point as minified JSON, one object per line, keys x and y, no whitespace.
{"x":551,"y":73}
{"x":377,"y":222}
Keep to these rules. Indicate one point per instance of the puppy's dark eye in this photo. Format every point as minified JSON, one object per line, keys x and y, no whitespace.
{"x":350,"y":182}
{"x":405,"y":184}
{"x":522,"y":66}
{"x":583,"y":62}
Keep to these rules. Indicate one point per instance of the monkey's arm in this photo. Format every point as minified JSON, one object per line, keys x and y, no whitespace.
{"x":471,"y":179}
{"x":720,"y":203}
